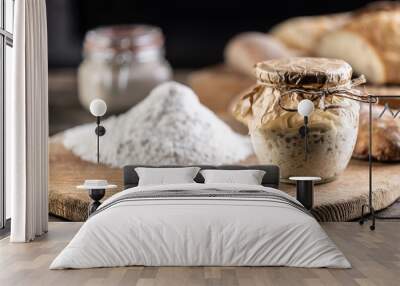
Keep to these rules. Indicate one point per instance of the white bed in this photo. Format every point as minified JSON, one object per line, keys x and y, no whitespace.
{"x":201,"y":224}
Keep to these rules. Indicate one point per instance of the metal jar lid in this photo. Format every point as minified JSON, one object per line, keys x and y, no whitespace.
{"x":304,"y":72}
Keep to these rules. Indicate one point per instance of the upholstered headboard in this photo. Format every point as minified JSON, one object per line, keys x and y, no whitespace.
{"x":270,"y":179}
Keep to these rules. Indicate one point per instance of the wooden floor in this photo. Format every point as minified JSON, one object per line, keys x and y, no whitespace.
{"x":375,"y":257}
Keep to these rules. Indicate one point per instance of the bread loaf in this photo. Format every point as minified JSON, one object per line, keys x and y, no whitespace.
{"x":370,"y":43}
{"x":385,"y":135}
{"x":247,"y":49}
{"x":303,"y":33}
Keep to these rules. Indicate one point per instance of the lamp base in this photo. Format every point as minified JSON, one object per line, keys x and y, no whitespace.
{"x":96,"y":195}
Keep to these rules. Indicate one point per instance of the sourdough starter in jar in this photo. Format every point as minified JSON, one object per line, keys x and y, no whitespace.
{"x":122,"y":64}
{"x":330,"y":140}
{"x":275,"y":131}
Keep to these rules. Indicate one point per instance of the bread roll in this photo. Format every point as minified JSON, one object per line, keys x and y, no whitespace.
{"x":385,"y":135}
{"x":378,"y":6}
{"x":370,"y":44}
{"x":247,"y":49}
{"x":303,"y":33}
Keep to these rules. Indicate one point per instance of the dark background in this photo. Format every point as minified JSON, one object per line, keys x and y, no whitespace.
{"x":196,"y":31}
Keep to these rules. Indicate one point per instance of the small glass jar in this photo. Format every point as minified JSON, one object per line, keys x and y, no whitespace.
{"x":270,"y":111}
{"x":121,"y":65}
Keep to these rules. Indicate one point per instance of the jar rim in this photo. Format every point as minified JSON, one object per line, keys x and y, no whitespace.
{"x":304,"y":72}
{"x":123,"y":38}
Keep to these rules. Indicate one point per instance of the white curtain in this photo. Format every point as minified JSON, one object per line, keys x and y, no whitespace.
{"x":27,"y":123}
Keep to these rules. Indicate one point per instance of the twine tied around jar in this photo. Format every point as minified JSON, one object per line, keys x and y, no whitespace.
{"x":345,"y":91}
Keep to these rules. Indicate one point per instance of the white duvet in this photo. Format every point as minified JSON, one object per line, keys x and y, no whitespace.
{"x":190,"y":231}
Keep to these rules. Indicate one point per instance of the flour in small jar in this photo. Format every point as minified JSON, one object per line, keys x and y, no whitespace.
{"x":170,"y":126}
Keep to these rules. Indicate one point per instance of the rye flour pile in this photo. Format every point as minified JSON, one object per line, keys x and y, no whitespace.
{"x":170,"y":126}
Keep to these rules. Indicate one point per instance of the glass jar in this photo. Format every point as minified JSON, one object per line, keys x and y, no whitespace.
{"x":121,"y":65}
{"x":270,"y":111}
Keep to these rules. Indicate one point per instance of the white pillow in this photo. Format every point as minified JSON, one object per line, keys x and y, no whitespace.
{"x":248,"y":177}
{"x":164,"y":176}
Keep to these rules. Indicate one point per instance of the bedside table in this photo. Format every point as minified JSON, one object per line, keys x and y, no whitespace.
{"x":96,"y":190}
{"x":305,"y":190}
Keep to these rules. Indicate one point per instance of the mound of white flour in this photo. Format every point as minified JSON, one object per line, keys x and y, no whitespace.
{"x":170,"y":126}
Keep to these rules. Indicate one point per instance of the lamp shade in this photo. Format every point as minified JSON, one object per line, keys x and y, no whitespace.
{"x":98,"y":107}
{"x":305,"y":107}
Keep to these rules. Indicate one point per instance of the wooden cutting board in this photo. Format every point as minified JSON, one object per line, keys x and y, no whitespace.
{"x":217,"y":86}
{"x":68,"y":171}
{"x":340,"y":200}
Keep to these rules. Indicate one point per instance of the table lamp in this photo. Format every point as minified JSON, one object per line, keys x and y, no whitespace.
{"x":305,"y":108}
{"x":98,"y":108}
